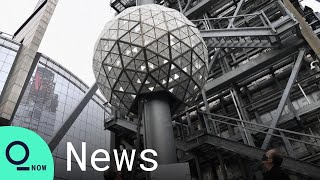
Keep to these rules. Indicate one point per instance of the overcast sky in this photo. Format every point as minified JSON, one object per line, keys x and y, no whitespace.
{"x":73,"y":29}
{"x":71,"y":34}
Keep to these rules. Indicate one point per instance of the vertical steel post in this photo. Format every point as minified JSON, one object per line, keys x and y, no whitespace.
{"x":222,"y":167}
{"x":159,"y":132}
{"x":196,"y":159}
{"x":241,"y":124}
{"x":256,"y":114}
{"x":112,"y":146}
{"x":181,"y":128}
{"x":189,"y":122}
{"x":224,"y":111}
{"x":244,"y":114}
{"x":138,"y":136}
{"x":242,"y":168}
{"x":204,"y":97}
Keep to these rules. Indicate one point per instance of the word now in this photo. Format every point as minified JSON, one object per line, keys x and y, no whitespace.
{"x":39,"y":167}
{"x":119,"y":162}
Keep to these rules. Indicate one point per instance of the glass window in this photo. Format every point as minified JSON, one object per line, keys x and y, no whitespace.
{"x":7,"y":57}
{"x":49,"y":99}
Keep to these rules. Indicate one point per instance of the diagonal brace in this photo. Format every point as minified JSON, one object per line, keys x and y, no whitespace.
{"x":284,"y":98}
{"x":72,"y":117}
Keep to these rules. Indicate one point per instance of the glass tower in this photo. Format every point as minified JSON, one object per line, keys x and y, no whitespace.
{"x":49,"y":98}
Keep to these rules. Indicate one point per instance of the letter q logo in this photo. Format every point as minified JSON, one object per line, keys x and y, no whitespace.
{"x":24,"y":155}
{"x":23,"y":160}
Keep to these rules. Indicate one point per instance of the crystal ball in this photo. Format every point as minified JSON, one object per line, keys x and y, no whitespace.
{"x":147,"y":49}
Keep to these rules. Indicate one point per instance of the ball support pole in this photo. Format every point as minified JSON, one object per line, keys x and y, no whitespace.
{"x":180,"y":66}
{"x":158,"y":123}
{"x":159,"y":134}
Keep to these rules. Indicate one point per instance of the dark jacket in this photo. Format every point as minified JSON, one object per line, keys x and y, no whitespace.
{"x":275,"y":173}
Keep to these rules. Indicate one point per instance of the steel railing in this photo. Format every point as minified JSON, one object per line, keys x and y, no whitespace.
{"x":258,"y":128}
{"x":222,"y":22}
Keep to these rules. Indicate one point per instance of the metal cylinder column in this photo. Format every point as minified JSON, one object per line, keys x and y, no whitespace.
{"x":158,"y":128}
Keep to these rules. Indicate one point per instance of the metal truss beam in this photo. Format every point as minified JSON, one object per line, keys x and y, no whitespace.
{"x":248,"y":37}
{"x":284,"y":98}
{"x":237,"y":32}
{"x":217,"y":51}
{"x":242,"y":44}
{"x":255,"y":65}
{"x":57,"y":137}
{"x":199,"y":8}
{"x":124,"y":123}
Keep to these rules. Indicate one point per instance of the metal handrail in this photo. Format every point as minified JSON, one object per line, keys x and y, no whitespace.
{"x":280,"y":135}
{"x":261,"y":125}
{"x":261,"y":131}
{"x":262,"y":16}
{"x":226,"y":17}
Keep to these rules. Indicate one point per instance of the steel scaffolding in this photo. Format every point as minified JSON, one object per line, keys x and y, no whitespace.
{"x":263,"y":90}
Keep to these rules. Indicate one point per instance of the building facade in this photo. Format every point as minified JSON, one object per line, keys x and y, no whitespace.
{"x":8,"y":53}
{"x":50,"y":96}
{"x":29,"y":35}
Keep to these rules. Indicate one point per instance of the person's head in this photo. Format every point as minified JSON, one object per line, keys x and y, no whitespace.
{"x":272,"y":158}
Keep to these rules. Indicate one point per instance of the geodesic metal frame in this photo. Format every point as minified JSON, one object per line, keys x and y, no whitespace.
{"x":146,"y":49}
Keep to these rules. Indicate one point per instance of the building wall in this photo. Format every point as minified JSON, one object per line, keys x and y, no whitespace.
{"x":29,"y":35}
{"x":8,"y":53}
{"x":39,"y":4}
{"x":50,"y":97}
